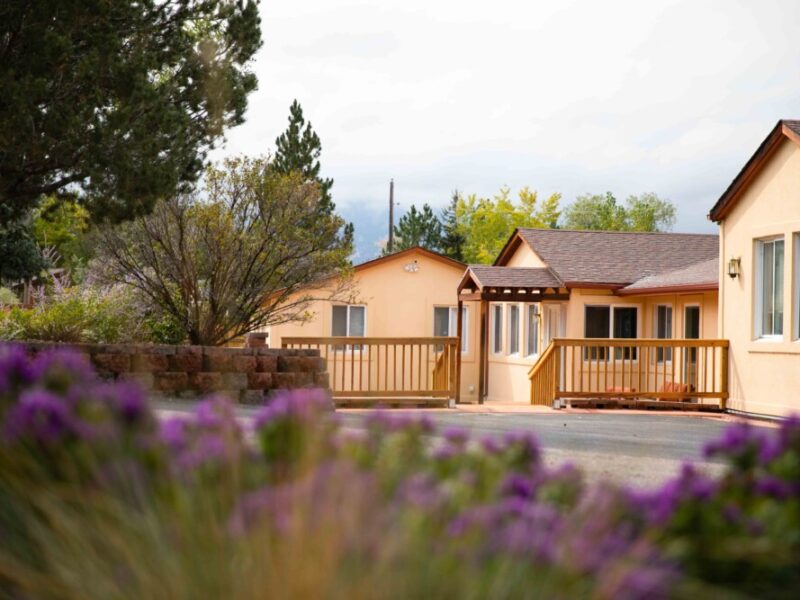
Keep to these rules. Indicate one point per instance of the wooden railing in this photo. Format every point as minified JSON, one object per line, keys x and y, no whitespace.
{"x":543,"y":376}
{"x":679,"y":370}
{"x":387,"y":368}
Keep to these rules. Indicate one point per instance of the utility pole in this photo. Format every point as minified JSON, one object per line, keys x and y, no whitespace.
{"x":390,"y":245}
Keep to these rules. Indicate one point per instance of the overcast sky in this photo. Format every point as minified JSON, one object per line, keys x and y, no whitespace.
{"x":569,"y":96}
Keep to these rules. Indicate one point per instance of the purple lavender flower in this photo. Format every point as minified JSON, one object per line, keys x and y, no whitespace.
{"x":296,"y":405}
{"x":15,"y":367}
{"x":173,"y":433}
{"x":38,"y":415}
{"x":62,"y":368}
{"x":456,"y":435}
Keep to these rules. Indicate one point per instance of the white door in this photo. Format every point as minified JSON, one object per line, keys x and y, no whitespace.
{"x":553,"y":324}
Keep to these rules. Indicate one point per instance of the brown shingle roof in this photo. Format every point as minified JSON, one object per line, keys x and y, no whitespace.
{"x":513,"y":277}
{"x":699,"y":276}
{"x":617,"y":258}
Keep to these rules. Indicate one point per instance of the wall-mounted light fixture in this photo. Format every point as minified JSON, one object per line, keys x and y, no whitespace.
{"x":411,"y":267}
{"x":734,"y":267}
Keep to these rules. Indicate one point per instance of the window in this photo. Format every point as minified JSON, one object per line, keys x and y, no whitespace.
{"x":513,"y":329}
{"x":663,"y":330}
{"x":349,"y":321}
{"x":769,"y":291}
{"x":797,"y":286}
{"x":597,"y":324}
{"x":532,"y":330}
{"x":497,"y":328}
{"x":603,"y":322}
{"x":445,"y":323}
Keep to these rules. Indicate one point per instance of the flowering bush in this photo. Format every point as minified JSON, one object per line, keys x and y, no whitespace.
{"x":98,"y":498}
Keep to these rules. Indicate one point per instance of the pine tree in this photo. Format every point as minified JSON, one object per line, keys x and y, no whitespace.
{"x":418,"y":228}
{"x":453,"y":238}
{"x":298,"y":150}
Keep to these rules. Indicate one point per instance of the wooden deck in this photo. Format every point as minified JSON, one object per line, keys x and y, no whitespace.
{"x":684,"y":374}
{"x":388,"y":371}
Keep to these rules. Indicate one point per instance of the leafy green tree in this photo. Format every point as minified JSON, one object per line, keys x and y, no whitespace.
{"x":648,"y":212}
{"x":487,"y":223}
{"x":63,"y":225}
{"x":235,"y":259}
{"x":118,"y":101}
{"x":298,"y":150}
{"x":20,"y":255}
{"x":453,"y":238}
{"x":595,"y":212}
{"x":418,"y":228}
{"x":601,"y":212}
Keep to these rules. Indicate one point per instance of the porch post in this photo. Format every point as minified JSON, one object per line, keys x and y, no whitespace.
{"x":482,"y":370}
{"x":459,"y":334}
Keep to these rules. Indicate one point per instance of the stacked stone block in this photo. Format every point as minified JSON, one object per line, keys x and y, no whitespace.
{"x":247,"y":375}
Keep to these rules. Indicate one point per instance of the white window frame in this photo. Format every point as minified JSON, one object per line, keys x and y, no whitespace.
{"x":759,"y":289}
{"x":511,"y":334}
{"x":611,"y":336}
{"x":452,"y":324}
{"x":350,"y":347}
{"x":497,"y":308}
{"x":538,"y":319}
{"x":668,"y":354}
{"x":796,"y":292}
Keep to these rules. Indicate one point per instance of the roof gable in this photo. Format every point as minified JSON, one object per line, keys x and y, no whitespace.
{"x":783,"y":130}
{"x":408,"y":253}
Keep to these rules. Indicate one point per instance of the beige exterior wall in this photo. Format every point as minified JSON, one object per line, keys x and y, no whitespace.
{"x":764,"y":374}
{"x":399,"y":303}
{"x":525,"y":257}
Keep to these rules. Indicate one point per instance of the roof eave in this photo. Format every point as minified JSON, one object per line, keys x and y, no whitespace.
{"x":668,"y":289}
{"x":751,"y":168}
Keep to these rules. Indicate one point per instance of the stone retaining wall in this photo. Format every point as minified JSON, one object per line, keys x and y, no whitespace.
{"x":247,"y":375}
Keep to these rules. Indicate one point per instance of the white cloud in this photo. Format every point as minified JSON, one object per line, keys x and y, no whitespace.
{"x":669,"y":96}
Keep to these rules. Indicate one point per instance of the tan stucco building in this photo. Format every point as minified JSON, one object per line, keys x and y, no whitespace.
{"x":588,"y":284}
{"x":759,"y":227}
{"x":409,"y":294}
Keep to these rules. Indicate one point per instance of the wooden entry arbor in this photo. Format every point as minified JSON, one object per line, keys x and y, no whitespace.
{"x":501,"y":284}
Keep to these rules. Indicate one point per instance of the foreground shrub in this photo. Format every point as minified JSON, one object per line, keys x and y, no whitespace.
{"x":98,"y":499}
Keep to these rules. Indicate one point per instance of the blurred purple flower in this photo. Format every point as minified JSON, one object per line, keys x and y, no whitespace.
{"x":173,"y":433}
{"x":456,"y":435}
{"x":39,"y":415}
{"x":15,"y":367}
{"x":302,"y":406}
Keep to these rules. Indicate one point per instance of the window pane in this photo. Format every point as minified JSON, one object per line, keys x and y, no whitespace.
{"x":597,"y":324}
{"x":497,"y":346}
{"x":625,"y":322}
{"x":777,"y":277}
{"x":767,"y":287}
{"x":339,"y":321}
{"x":441,"y":321}
{"x":357,"y":320}
{"x":625,"y":328}
{"x":533,"y":330}
{"x":663,"y":330}
{"x":513,"y":329}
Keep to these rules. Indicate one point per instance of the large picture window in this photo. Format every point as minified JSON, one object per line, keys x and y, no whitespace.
{"x":604,"y":322}
{"x":513,"y":329}
{"x":532,"y":330}
{"x":497,"y":328}
{"x":445,"y":323}
{"x":769,"y":292}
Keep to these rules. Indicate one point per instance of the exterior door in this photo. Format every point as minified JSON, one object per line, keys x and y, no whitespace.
{"x":553,"y":324}
{"x":691,"y":331}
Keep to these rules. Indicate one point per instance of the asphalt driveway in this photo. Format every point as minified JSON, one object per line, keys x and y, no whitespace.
{"x":639,"y":449}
